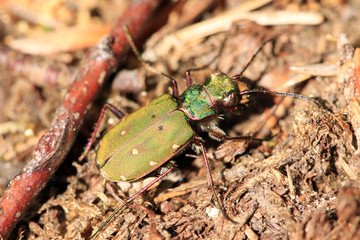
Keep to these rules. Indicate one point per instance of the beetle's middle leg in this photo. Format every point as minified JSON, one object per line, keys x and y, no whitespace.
{"x":117,"y":112}
{"x":211,"y":182}
{"x":218,"y":134}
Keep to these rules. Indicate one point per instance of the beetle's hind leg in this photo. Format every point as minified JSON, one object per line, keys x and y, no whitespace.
{"x":122,"y":205}
{"x":117,"y":112}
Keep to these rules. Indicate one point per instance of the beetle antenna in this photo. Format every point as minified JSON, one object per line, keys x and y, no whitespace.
{"x":294,"y":95}
{"x":237,"y":76}
{"x":137,"y":53}
{"x":147,"y":65}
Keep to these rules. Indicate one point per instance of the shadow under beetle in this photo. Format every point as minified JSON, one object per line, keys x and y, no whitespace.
{"x":146,"y":139}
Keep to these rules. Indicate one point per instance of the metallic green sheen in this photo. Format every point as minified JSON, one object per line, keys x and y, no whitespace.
{"x":195,"y":103}
{"x":144,"y":140}
{"x":199,"y":102}
{"x":218,"y":85}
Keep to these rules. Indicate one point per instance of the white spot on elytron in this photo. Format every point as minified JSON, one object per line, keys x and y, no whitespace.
{"x":175,"y":146}
{"x":122,"y":177}
{"x":152,"y":163}
{"x":123,"y":132}
{"x":135,"y":152}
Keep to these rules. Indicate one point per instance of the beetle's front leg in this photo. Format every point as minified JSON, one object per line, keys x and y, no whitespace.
{"x":118,"y":113}
{"x":249,"y":138}
{"x":215,"y":132}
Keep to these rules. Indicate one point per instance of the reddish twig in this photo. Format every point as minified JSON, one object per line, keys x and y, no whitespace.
{"x":357,"y":67}
{"x":57,"y":141}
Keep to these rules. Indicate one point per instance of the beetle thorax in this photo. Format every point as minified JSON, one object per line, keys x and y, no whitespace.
{"x":219,"y":93}
{"x":196,"y":103}
{"x":204,"y":103}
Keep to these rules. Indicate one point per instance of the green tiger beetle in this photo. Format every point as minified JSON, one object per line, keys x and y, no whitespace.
{"x":146,"y":139}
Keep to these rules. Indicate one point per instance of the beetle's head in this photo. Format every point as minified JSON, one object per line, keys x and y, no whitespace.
{"x":225,"y":91}
{"x":229,"y":94}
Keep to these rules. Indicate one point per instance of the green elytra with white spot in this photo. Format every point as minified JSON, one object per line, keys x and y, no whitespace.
{"x":143,"y":141}
{"x":146,"y":139}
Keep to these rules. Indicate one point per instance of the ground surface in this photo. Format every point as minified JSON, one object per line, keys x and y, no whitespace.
{"x":301,"y":184}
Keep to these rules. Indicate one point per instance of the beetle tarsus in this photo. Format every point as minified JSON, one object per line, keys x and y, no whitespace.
{"x":118,"y":113}
{"x":211,"y":183}
{"x":118,"y":209}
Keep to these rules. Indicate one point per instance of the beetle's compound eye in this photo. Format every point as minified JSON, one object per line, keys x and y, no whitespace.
{"x":229,"y":100}
{"x":243,"y":87}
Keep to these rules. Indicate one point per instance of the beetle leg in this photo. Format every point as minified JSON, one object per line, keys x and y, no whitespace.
{"x":175,"y":88}
{"x":215,"y":132}
{"x":211,"y":183}
{"x":120,"y":207}
{"x":188,"y":78}
{"x":176,"y":94}
{"x":218,"y":134}
{"x":150,"y":184}
{"x":247,"y":138}
{"x":115,"y":111}
{"x":188,"y":75}
{"x":211,"y":127}
{"x":237,"y":76}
